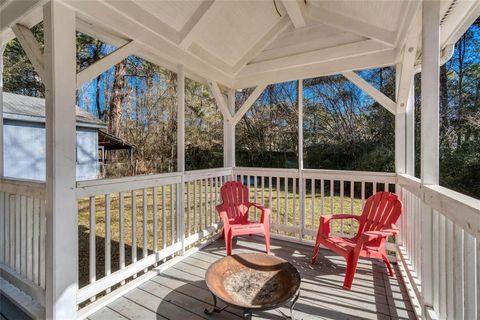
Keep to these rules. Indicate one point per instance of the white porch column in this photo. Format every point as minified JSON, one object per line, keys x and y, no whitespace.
{"x":429,"y":142}
{"x":301,"y":182}
{"x":61,"y":236}
{"x":400,"y":131}
{"x":180,"y":118}
{"x":181,"y":153}
{"x":2,"y":48}
{"x":229,"y":133}
{"x":410,"y":131}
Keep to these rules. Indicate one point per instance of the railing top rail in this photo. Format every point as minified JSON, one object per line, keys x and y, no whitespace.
{"x":265,"y":170}
{"x":321,"y":173}
{"x":103,"y":186}
{"x":351,"y":175}
{"x":460,"y":208}
{"x":28,"y":188}
{"x":207,"y":173}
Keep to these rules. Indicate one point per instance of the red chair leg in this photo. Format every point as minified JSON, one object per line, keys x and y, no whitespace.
{"x":387,"y":263}
{"x":267,"y":242}
{"x":317,"y":247}
{"x":228,"y":244}
{"x":352,"y":261}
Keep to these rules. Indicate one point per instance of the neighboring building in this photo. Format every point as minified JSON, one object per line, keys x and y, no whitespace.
{"x":24,"y":139}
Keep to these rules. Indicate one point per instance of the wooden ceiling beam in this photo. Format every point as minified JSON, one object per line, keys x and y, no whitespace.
{"x":220,"y":99}
{"x":385,"y":101}
{"x":261,"y":44}
{"x":106,"y":16}
{"x":188,"y":32}
{"x":31,"y":47}
{"x":136,"y":12}
{"x":106,"y":63}
{"x":318,"y":69}
{"x":248,"y":103}
{"x":407,"y":72}
{"x":316,"y":56}
{"x":352,"y":25}
{"x":295,"y":9}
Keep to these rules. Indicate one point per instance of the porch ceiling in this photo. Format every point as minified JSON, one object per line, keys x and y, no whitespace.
{"x":247,"y":43}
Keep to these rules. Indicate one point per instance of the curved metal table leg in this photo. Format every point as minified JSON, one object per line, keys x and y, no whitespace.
{"x":291,"y":317}
{"x":247,"y":314}
{"x":215,"y":308}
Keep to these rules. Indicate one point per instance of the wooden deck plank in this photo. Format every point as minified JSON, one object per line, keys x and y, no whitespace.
{"x":160,"y":306}
{"x":106,"y":313}
{"x":180,"y":292}
{"x":132,"y":310}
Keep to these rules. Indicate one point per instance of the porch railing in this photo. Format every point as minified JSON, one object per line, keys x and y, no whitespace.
{"x":439,"y":250}
{"x":297,"y":199}
{"x":128,"y":225}
{"x":22,"y":236}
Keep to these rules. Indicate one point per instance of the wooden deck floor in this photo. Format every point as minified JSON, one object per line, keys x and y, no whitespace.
{"x":180,"y":292}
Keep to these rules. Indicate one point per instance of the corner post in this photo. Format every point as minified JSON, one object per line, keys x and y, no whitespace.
{"x":301,"y":182}
{"x":2,"y":48}
{"x":400,"y":130}
{"x":61,"y":206}
{"x":181,"y":154}
{"x":410,"y":131}
{"x":429,"y":144}
{"x":229,"y":133}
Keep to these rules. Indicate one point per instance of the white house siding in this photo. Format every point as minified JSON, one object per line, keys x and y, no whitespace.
{"x":24,"y":156}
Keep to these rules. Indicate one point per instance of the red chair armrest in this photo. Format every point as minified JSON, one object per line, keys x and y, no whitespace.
{"x":223,"y":215}
{"x":265,"y":211}
{"x":372,"y":235}
{"x":345,"y":216}
{"x":325,"y":222}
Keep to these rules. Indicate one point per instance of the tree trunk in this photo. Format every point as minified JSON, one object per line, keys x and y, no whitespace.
{"x":116,"y":101}
{"x":444,"y":124}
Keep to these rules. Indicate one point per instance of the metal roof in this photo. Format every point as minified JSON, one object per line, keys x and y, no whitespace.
{"x":24,"y":108}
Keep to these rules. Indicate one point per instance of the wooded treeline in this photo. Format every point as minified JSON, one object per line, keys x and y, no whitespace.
{"x":343,"y":127}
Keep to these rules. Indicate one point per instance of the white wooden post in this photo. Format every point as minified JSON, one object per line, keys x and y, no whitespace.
{"x":229,"y":133}
{"x":181,"y":153}
{"x":400,"y":131}
{"x":2,"y":48}
{"x":301,"y":183}
{"x":410,"y":131}
{"x":61,"y":214}
{"x":429,"y":138}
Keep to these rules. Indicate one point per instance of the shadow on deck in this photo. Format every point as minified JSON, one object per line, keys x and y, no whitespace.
{"x":180,"y":291}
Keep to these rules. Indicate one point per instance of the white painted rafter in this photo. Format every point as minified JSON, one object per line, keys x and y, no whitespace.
{"x":187,"y":34}
{"x":263,"y":43}
{"x":316,"y":56}
{"x":31,"y":47}
{"x":352,"y":25}
{"x":317,"y":69}
{"x":136,"y":12}
{"x":407,"y":72}
{"x":97,"y":11}
{"x":220,"y":99}
{"x":385,"y":101}
{"x":106,"y":62}
{"x":248,"y":103}
{"x":295,"y":9}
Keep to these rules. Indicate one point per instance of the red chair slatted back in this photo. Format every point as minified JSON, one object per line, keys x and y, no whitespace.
{"x":235,"y":201}
{"x":381,"y":211}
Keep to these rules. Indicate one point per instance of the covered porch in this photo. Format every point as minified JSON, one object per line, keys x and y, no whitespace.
{"x":158,"y":233}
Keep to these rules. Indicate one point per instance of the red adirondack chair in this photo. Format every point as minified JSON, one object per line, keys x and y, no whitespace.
{"x":234,"y":214}
{"x":376,"y":223}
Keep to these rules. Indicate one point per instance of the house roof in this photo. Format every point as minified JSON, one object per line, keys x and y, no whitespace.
{"x":25,"y":108}
{"x":111,"y":142}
